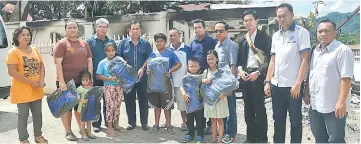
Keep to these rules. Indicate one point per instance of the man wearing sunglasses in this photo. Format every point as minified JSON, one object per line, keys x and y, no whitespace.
{"x":252,"y":72}
{"x":227,"y":51}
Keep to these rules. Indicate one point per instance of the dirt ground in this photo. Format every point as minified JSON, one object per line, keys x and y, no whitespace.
{"x":53,"y":130}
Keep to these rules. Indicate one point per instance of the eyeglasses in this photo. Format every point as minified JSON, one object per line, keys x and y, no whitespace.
{"x":219,"y":31}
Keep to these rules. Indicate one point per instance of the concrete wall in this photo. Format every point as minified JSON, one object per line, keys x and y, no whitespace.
{"x":50,"y":73}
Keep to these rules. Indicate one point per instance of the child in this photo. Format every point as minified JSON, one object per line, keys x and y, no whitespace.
{"x":163,"y":100}
{"x":220,"y":110}
{"x":113,"y":92}
{"x":193,"y":67}
{"x":85,"y":86}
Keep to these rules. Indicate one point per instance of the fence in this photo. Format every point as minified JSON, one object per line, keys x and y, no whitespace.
{"x":356,"y":53}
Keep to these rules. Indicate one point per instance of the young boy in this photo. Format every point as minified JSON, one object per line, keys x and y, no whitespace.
{"x":198,"y":115}
{"x":163,"y":101}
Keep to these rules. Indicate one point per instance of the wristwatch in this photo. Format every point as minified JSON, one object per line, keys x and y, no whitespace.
{"x":266,"y":81}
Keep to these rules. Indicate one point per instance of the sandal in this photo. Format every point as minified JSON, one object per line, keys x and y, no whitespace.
{"x":163,"y":126}
{"x":111,"y":134}
{"x":91,"y":136}
{"x":41,"y":139}
{"x":200,"y":139}
{"x":155,"y":129}
{"x":71,"y":137}
{"x":170,"y":130}
{"x":85,"y":138}
{"x":25,"y":142}
{"x":187,"y":138}
{"x":118,"y":128}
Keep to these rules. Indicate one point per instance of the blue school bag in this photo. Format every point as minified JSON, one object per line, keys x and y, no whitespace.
{"x":158,"y":81}
{"x":91,"y":110}
{"x":126,"y":75}
{"x":60,"y":102}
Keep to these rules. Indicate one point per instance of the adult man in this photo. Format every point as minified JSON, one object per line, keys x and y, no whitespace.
{"x":136,"y":51}
{"x":253,"y":73}
{"x":97,"y":43}
{"x":227,"y":51}
{"x":332,"y":64}
{"x":200,"y":46}
{"x":183,"y":53}
{"x":287,"y":68}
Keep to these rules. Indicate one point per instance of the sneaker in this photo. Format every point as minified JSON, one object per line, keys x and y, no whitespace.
{"x":208,"y":130}
{"x":85,"y":138}
{"x":155,"y":129}
{"x":200,"y":139}
{"x":71,"y":137}
{"x":145,"y":127}
{"x":228,"y":139}
{"x":170,"y":130}
{"x":130,"y":127}
{"x":95,"y":129}
{"x":187,"y":138}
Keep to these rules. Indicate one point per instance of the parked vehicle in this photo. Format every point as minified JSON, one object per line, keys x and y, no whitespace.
{"x":4,"y":76}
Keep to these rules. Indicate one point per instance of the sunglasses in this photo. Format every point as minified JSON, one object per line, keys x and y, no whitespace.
{"x":219,"y":31}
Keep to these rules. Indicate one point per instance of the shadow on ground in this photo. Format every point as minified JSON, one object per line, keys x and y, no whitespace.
{"x":9,"y":121}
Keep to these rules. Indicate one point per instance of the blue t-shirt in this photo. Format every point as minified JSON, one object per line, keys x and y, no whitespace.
{"x":173,"y":59}
{"x":103,"y":70}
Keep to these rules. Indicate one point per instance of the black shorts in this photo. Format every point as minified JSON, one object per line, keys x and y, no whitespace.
{"x":76,"y":85}
{"x":162,"y":100}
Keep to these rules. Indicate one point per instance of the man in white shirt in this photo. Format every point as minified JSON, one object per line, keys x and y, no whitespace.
{"x":289,"y":61}
{"x":329,"y":85}
{"x":183,"y":53}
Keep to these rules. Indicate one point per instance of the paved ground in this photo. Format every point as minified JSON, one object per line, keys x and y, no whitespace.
{"x":53,"y":130}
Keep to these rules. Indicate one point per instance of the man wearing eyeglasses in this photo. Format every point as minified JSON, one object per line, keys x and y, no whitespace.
{"x":97,"y":43}
{"x":227,"y":51}
{"x":252,"y":72}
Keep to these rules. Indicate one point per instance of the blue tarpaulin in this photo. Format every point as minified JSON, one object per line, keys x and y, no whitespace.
{"x":158,"y":79}
{"x":126,"y":75}
{"x":60,"y":102}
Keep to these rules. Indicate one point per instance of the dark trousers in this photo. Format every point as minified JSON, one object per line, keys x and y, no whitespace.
{"x":230,"y":123}
{"x":327,"y":128}
{"x":98,"y":123}
{"x":199,"y":117}
{"x":281,"y":102}
{"x":255,"y":111}
{"x":140,"y":90}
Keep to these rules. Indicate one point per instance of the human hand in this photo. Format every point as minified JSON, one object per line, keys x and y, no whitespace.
{"x":62,"y":86}
{"x":267,"y":89}
{"x":141,"y":72}
{"x":41,"y":84}
{"x":112,"y":78}
{"x":168,"y":74}
{"x":243,"y":75}
{"x":340,"y":110}
{"x":295,"y":90}
{"x":253,"y":76}
{"x":186,"y":98}
{"x":34,"y":84}
{"x":206,"y":81}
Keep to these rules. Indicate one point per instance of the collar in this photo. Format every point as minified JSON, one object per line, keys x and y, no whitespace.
{"x":96,"y":37}
{"x":204,"y":38}
{"x":139,"y":40}
{"x":180,"y":47}
{"x":254,"y":34}
{"x":224,"y":41}
{"x":330,"y":46}
{"x":291,"y":28}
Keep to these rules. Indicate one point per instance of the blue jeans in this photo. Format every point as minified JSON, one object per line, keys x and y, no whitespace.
{"x":230,"y":123}
{"x":327,"y":128}
{"x":282,"y":101}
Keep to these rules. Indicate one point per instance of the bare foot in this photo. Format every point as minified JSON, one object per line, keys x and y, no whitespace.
{"x":111,"y":133}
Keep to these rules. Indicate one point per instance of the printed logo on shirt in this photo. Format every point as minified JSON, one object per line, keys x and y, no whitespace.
{"x":31,"y":66}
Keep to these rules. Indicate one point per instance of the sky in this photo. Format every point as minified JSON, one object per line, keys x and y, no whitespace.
{"x":303,"y":7}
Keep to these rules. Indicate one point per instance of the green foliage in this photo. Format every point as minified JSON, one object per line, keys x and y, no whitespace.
{"x":350,"y":39}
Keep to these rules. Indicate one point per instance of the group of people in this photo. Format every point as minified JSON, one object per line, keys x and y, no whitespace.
{"x":289,"y":71}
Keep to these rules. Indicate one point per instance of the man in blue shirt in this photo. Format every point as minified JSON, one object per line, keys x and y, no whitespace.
{"x":97,"y":43}
{"x":202,"y":43}
{"x":199,"y":47}
{"x":136,"y":51}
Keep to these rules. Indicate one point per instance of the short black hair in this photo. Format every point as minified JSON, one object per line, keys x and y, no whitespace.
{"x":135,"y":22}
{"x":226,"y":26}
{"x":110,"y":44}
{"x":160,"y":36}
{"x":175,"y":29}
{"x":71,"y":21}
{"x":200,"y":21}
{"x":328,"y":21}
{"x":194,"y":59}
{"x":18,"y":31}
{"x":285,"y":5}
{"x":250,"y":12}
{"x":85,"y":74}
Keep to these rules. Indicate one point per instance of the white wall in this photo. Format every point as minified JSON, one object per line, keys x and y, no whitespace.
{"x":50,"y":73}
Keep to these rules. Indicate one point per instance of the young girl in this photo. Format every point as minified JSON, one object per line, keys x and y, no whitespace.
{"x":85,"y":86}
{"x":220,"y":110}
{"x":113,"y":92}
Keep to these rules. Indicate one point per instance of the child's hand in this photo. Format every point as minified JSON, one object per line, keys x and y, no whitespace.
{"x":223,"y":96}
{"x":168,"y":74}
{"x":112,"y":78}
{"x":206,"y":81}
{"x":186,"y":98}
{"x":83,"y":100}
{"x":148,"y":71}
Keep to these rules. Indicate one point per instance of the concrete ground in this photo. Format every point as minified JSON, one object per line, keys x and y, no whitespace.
{"x":53,"y":129}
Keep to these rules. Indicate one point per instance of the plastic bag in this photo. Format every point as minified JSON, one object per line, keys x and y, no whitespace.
{"x":60,"y":102}
{"x":91,"y":110}
{"x":158,"y":80}
{"x":223,"y":81}
{"x":190,"y":84}
{"x":126,"y":75}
